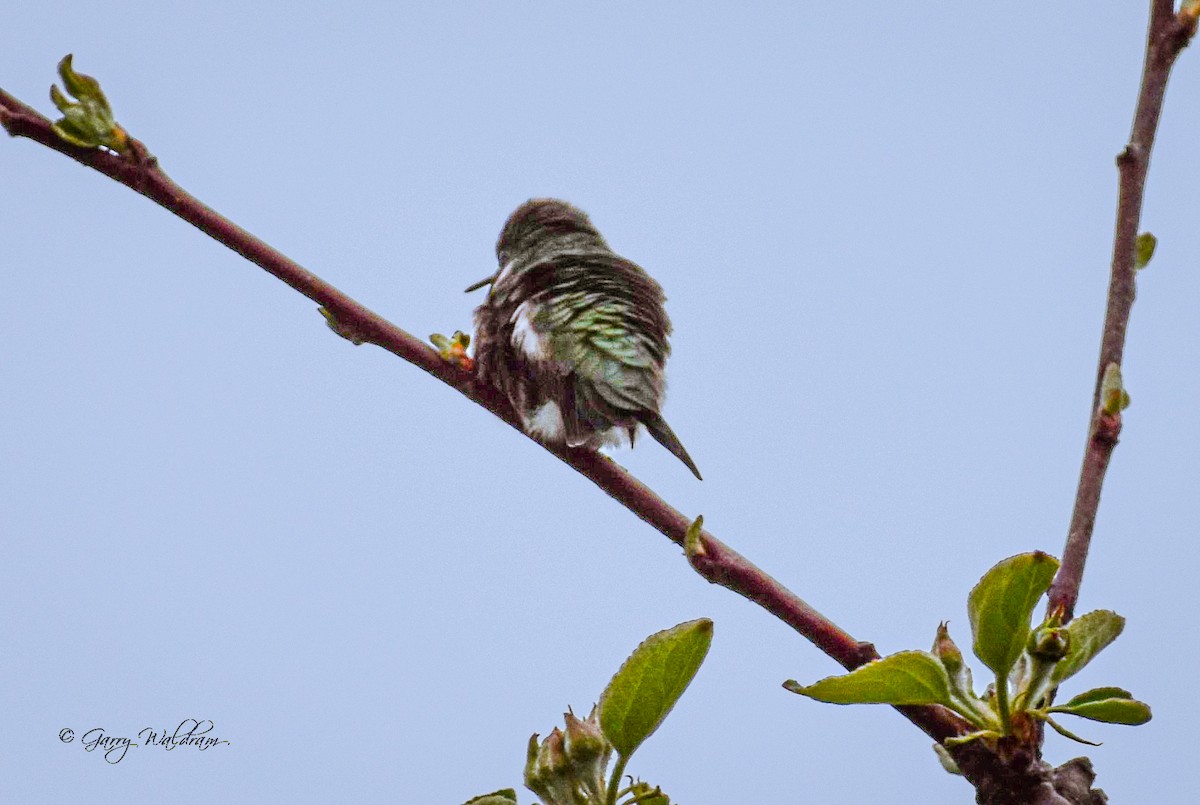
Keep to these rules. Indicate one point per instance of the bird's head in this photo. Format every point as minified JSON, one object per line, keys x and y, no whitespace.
{"x":542,"y":226}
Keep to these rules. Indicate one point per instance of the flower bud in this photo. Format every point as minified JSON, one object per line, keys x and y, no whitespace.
{"x":1049,"y":644}
{"x":546,"y":771}
{"x":946,"y":651}
{"x":588,"y":752}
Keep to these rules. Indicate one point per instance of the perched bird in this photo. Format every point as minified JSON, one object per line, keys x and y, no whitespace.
{"x":572,"y":333}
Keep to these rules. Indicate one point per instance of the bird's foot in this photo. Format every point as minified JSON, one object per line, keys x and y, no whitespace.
{"x":454,"y":349}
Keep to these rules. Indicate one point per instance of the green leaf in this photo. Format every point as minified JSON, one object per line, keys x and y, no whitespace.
{"x":1089,"y":635}
{"x":505,"y":796}
{"x":643,"y":692}
{"x":1001,"y":604}
{"x":1099,"y":694}
{"x":908,"y":677}
{"x":77,"y":84}
{"x":1110,"y":705}
{"x":1066,"y":733}
{"x":1145,"y":250}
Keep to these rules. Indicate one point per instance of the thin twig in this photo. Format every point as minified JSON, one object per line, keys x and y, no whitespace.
{"x":1167,"y":35}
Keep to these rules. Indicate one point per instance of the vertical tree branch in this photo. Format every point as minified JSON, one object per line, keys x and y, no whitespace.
{"x":1167,"y":35}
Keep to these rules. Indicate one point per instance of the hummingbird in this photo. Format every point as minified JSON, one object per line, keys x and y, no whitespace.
{"x":573,"y":334}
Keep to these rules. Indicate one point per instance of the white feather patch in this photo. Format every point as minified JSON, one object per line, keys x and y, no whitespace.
{"x":545,"y":422}
{"x":525,"y":337}
{"x":613,"y":437}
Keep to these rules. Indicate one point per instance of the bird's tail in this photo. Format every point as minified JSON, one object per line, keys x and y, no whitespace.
{"x":663,"y":434}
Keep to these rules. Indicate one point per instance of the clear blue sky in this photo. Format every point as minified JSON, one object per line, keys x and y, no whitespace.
{"x":884,"y":232}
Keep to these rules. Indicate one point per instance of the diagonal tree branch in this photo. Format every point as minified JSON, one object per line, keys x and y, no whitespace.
{"x":137,"y":169}
{"x":1168,"y":34}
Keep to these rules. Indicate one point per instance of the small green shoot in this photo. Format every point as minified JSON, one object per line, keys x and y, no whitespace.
{"x":1113,"y":397}
{"x":88,"y":120}
{"x":1146,"y":244}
